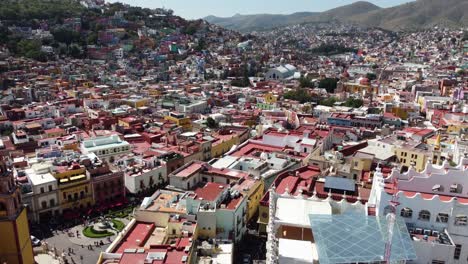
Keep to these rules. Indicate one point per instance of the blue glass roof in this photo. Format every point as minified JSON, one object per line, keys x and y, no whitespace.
{"x":351,"y":238}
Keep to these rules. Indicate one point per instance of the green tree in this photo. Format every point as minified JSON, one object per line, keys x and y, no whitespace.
{"x":371,"y":76}
{"x":328,"y":102}
{"x":245,"y":81}
{"x":66,"y":36}
{"x":4,"y":34}
{"x":31,"y":49}
{"x":329,"y":84}
{"x":352,"y":102}
{"x":305,"y":82}
{"x":211,"y":123}
{"x":75,"y":51}
{"x":300,"y":94}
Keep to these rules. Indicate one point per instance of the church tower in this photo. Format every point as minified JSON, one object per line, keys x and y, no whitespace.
{"x":15,"y":241}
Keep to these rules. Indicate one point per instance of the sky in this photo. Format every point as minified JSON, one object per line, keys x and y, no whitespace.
{"x":194,"y":9}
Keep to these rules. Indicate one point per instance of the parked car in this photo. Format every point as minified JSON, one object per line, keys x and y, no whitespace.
{"x":36,"y":242}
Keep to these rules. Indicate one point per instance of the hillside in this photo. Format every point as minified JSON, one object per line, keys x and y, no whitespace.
{"x":418,"y":14}
{"x":245,"y":23}
{"x":48,"y":29}
{"x":413,"y":15}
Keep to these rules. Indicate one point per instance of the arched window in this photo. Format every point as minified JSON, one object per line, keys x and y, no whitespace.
{"x":424,"y":215}
{"x":406,"y":212}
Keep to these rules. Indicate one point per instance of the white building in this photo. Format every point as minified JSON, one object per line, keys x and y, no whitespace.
{"x":192,"y":107}
{"x":106,"y":147}
{"x":41,"y":195}
{"x":434,"y":205}
{"x":281,"y":72}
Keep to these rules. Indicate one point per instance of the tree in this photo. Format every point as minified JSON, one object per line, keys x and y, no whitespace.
{"x":329,"y":84}
{"x":245,"y":81}
{"x":352,"y":102}
{"x":211,"y":123}
{"x":371,"y":76}
{"x":31,"y":49}
{"x":66,"y":36}
{"x":328,"y":102}
{"x":300,"y":94}
{"x":4,"y":32}
{"x":305,"y":82}
{"x":75,"y":51}
{"x":330,"y":49}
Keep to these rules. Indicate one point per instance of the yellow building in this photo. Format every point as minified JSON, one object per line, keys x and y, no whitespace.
{"x":74,"y":187}
{"x":223,"y":144}
{"x":54,"y":132}
{"x":88,"y":84}
{"x":15,"y":242}
{"x":270,"y":98}
{"x":358,"y":88}
{"x":255,"y":190}
{"x":137,"y":102}
{"x":403,"y":112}
{"x":454,"y":127}
{"x":412,"y":157}
{"x":226,"y":138}
{"x":180,"y":120}
{"x":360,"y":165}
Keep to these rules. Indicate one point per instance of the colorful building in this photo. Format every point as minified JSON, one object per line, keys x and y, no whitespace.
{"x":15,"y":243}
{"x":180,"y":120}
{"x":75,"y":191}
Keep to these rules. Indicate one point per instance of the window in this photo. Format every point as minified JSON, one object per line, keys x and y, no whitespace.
{"x":50,"y":188}
{"x":456,"y":254}
{"x":44,"y":204}
{"x":438,"y":261}
{"x":456,"y":188}
{"x":52,"y":202}
{"x":64,"y":195}
{"x":424,"y":215}
{"x":406,"y":212}
{"x":461,"y":220}
{"x":442,"y":218}
{"x":42,"y":189}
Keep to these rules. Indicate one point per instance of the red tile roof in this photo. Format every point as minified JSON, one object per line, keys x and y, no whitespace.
{"x":140,"y":232}
{"x":210,"y":191}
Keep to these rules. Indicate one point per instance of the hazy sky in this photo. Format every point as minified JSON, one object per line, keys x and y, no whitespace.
{"x":193,"y":9}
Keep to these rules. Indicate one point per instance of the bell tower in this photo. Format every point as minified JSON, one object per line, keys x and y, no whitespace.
{"x":15,"y":245}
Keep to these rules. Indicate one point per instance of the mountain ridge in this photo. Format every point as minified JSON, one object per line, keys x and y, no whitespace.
{"x":411,"y":15}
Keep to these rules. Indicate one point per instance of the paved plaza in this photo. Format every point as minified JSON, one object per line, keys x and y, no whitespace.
{"x":74,"y":246}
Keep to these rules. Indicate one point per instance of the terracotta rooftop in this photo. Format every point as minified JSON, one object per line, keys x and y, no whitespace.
{"x":210,"y":191}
